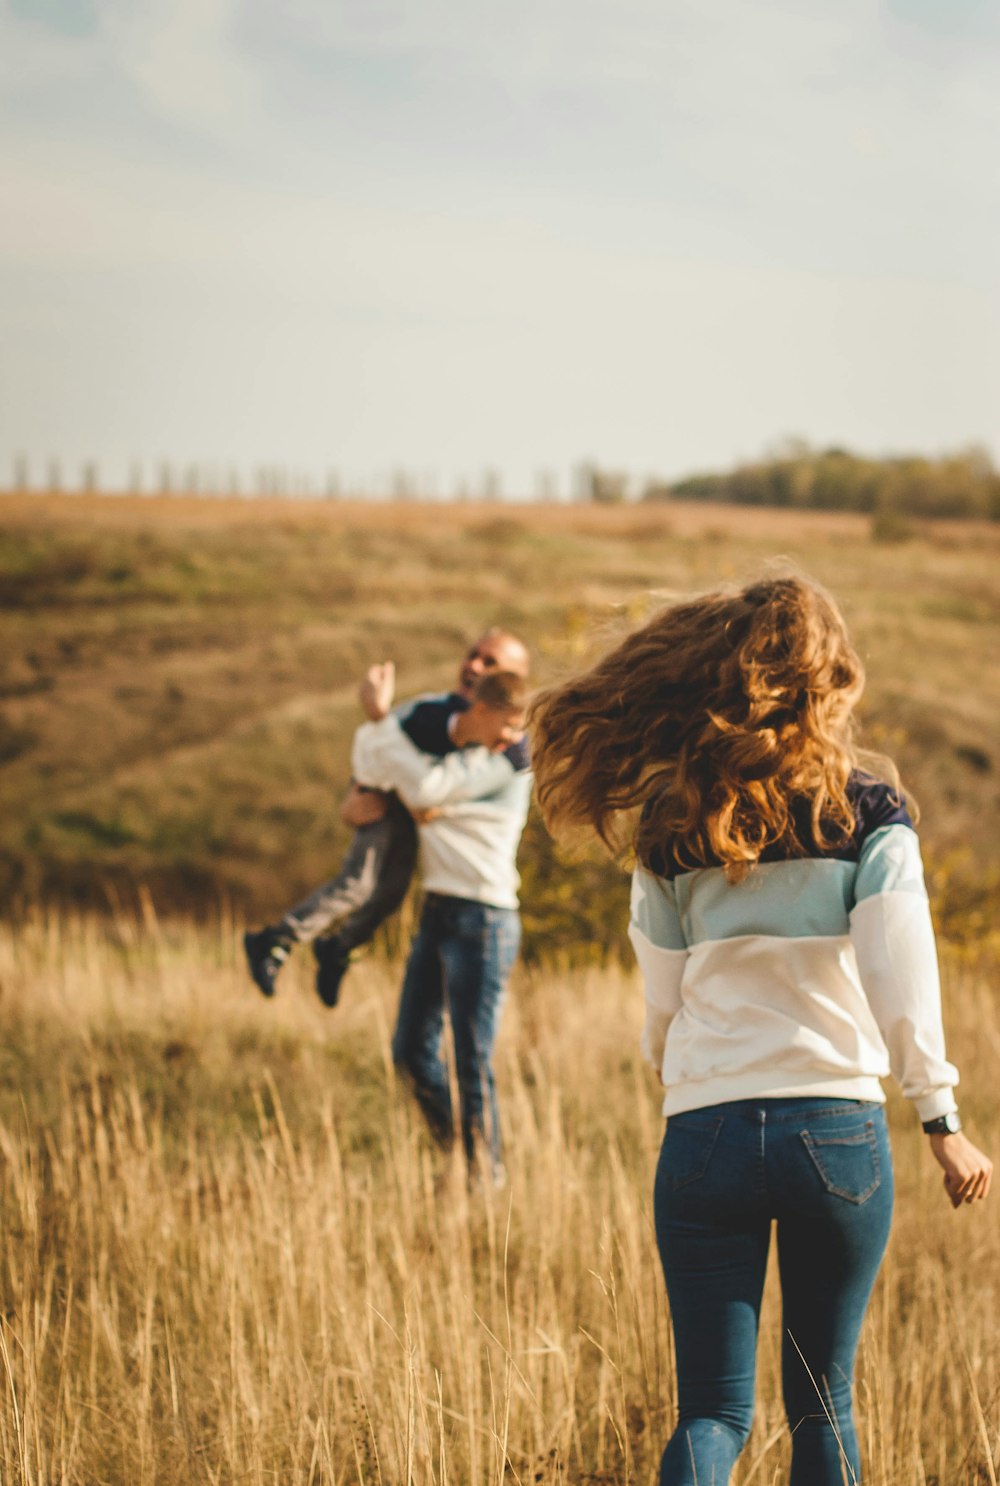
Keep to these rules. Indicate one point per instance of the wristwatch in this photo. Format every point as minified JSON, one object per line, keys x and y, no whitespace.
{"x":948,"y":1124}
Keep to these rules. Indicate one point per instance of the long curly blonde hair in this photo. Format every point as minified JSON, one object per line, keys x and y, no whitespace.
{"x":717,"y":717}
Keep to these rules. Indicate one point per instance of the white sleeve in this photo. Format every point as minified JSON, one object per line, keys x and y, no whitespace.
{"x":384,"y":758}
{"x":371,"y":753}
{"x":893,"y":940}
{"x":658,"y":940}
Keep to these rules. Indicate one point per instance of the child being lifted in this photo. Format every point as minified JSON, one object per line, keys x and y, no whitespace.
{"x":486,"y":714}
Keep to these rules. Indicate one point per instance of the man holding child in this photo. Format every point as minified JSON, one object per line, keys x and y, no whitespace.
{"x":470,"y":806}
{"x":452,"y":771}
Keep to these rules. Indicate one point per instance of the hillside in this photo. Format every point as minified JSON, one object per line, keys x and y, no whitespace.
{"x":177,"y":676}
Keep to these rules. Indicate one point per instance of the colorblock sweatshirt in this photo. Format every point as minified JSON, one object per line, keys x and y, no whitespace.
{"x":814,"y":976}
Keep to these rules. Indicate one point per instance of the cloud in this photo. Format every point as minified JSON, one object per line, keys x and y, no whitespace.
{"x":130,"y":68}
{"x":182,"y":57}
{"x":35,"y":53}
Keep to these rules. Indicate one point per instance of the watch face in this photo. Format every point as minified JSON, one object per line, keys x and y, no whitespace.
{"x":952,"y":1123}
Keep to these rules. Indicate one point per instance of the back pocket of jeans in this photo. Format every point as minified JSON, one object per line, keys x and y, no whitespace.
{"x":689,"y":1147}
{"x":848,"y":1165}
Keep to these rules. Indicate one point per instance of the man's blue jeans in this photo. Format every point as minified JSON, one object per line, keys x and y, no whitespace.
{"x":822,"y":1169}
{"x":461,"y":957}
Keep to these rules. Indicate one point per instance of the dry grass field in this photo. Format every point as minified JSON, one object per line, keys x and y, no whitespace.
{"x":229,"y":1254}
{"x":231,"y":1257}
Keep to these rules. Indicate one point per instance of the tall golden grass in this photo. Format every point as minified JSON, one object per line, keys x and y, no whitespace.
{"x":230,"y":1256}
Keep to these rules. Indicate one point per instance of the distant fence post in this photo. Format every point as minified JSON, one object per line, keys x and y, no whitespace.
{"x":546,"y":486}
{"x":582,"y":480}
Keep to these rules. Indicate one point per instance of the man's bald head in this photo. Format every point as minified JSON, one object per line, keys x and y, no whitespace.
{"x":495,"y":650}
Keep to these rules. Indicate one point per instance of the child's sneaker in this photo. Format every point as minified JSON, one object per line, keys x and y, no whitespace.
{"x":331,"y":967}
{"x":266,"y":952}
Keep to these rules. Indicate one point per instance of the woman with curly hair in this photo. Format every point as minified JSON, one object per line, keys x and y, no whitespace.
{"x":781,"y":924}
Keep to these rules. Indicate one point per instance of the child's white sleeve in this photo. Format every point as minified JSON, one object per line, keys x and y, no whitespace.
{"x":370,"y":752}
{"x":383,"y":757}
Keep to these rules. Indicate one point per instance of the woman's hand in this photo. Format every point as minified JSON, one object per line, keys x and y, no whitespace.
{"x":967,"y":1172}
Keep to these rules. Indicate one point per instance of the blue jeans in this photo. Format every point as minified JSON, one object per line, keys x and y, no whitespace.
{"x":461,"y":956}
{"x":821,"y":1168}
{"x":370,"y":885}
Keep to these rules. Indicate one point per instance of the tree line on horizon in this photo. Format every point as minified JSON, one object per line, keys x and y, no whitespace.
{"x":798,"y":477}
{"x":793,"y":476}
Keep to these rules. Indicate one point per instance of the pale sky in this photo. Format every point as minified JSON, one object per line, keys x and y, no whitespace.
{"x":442,"y":235}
